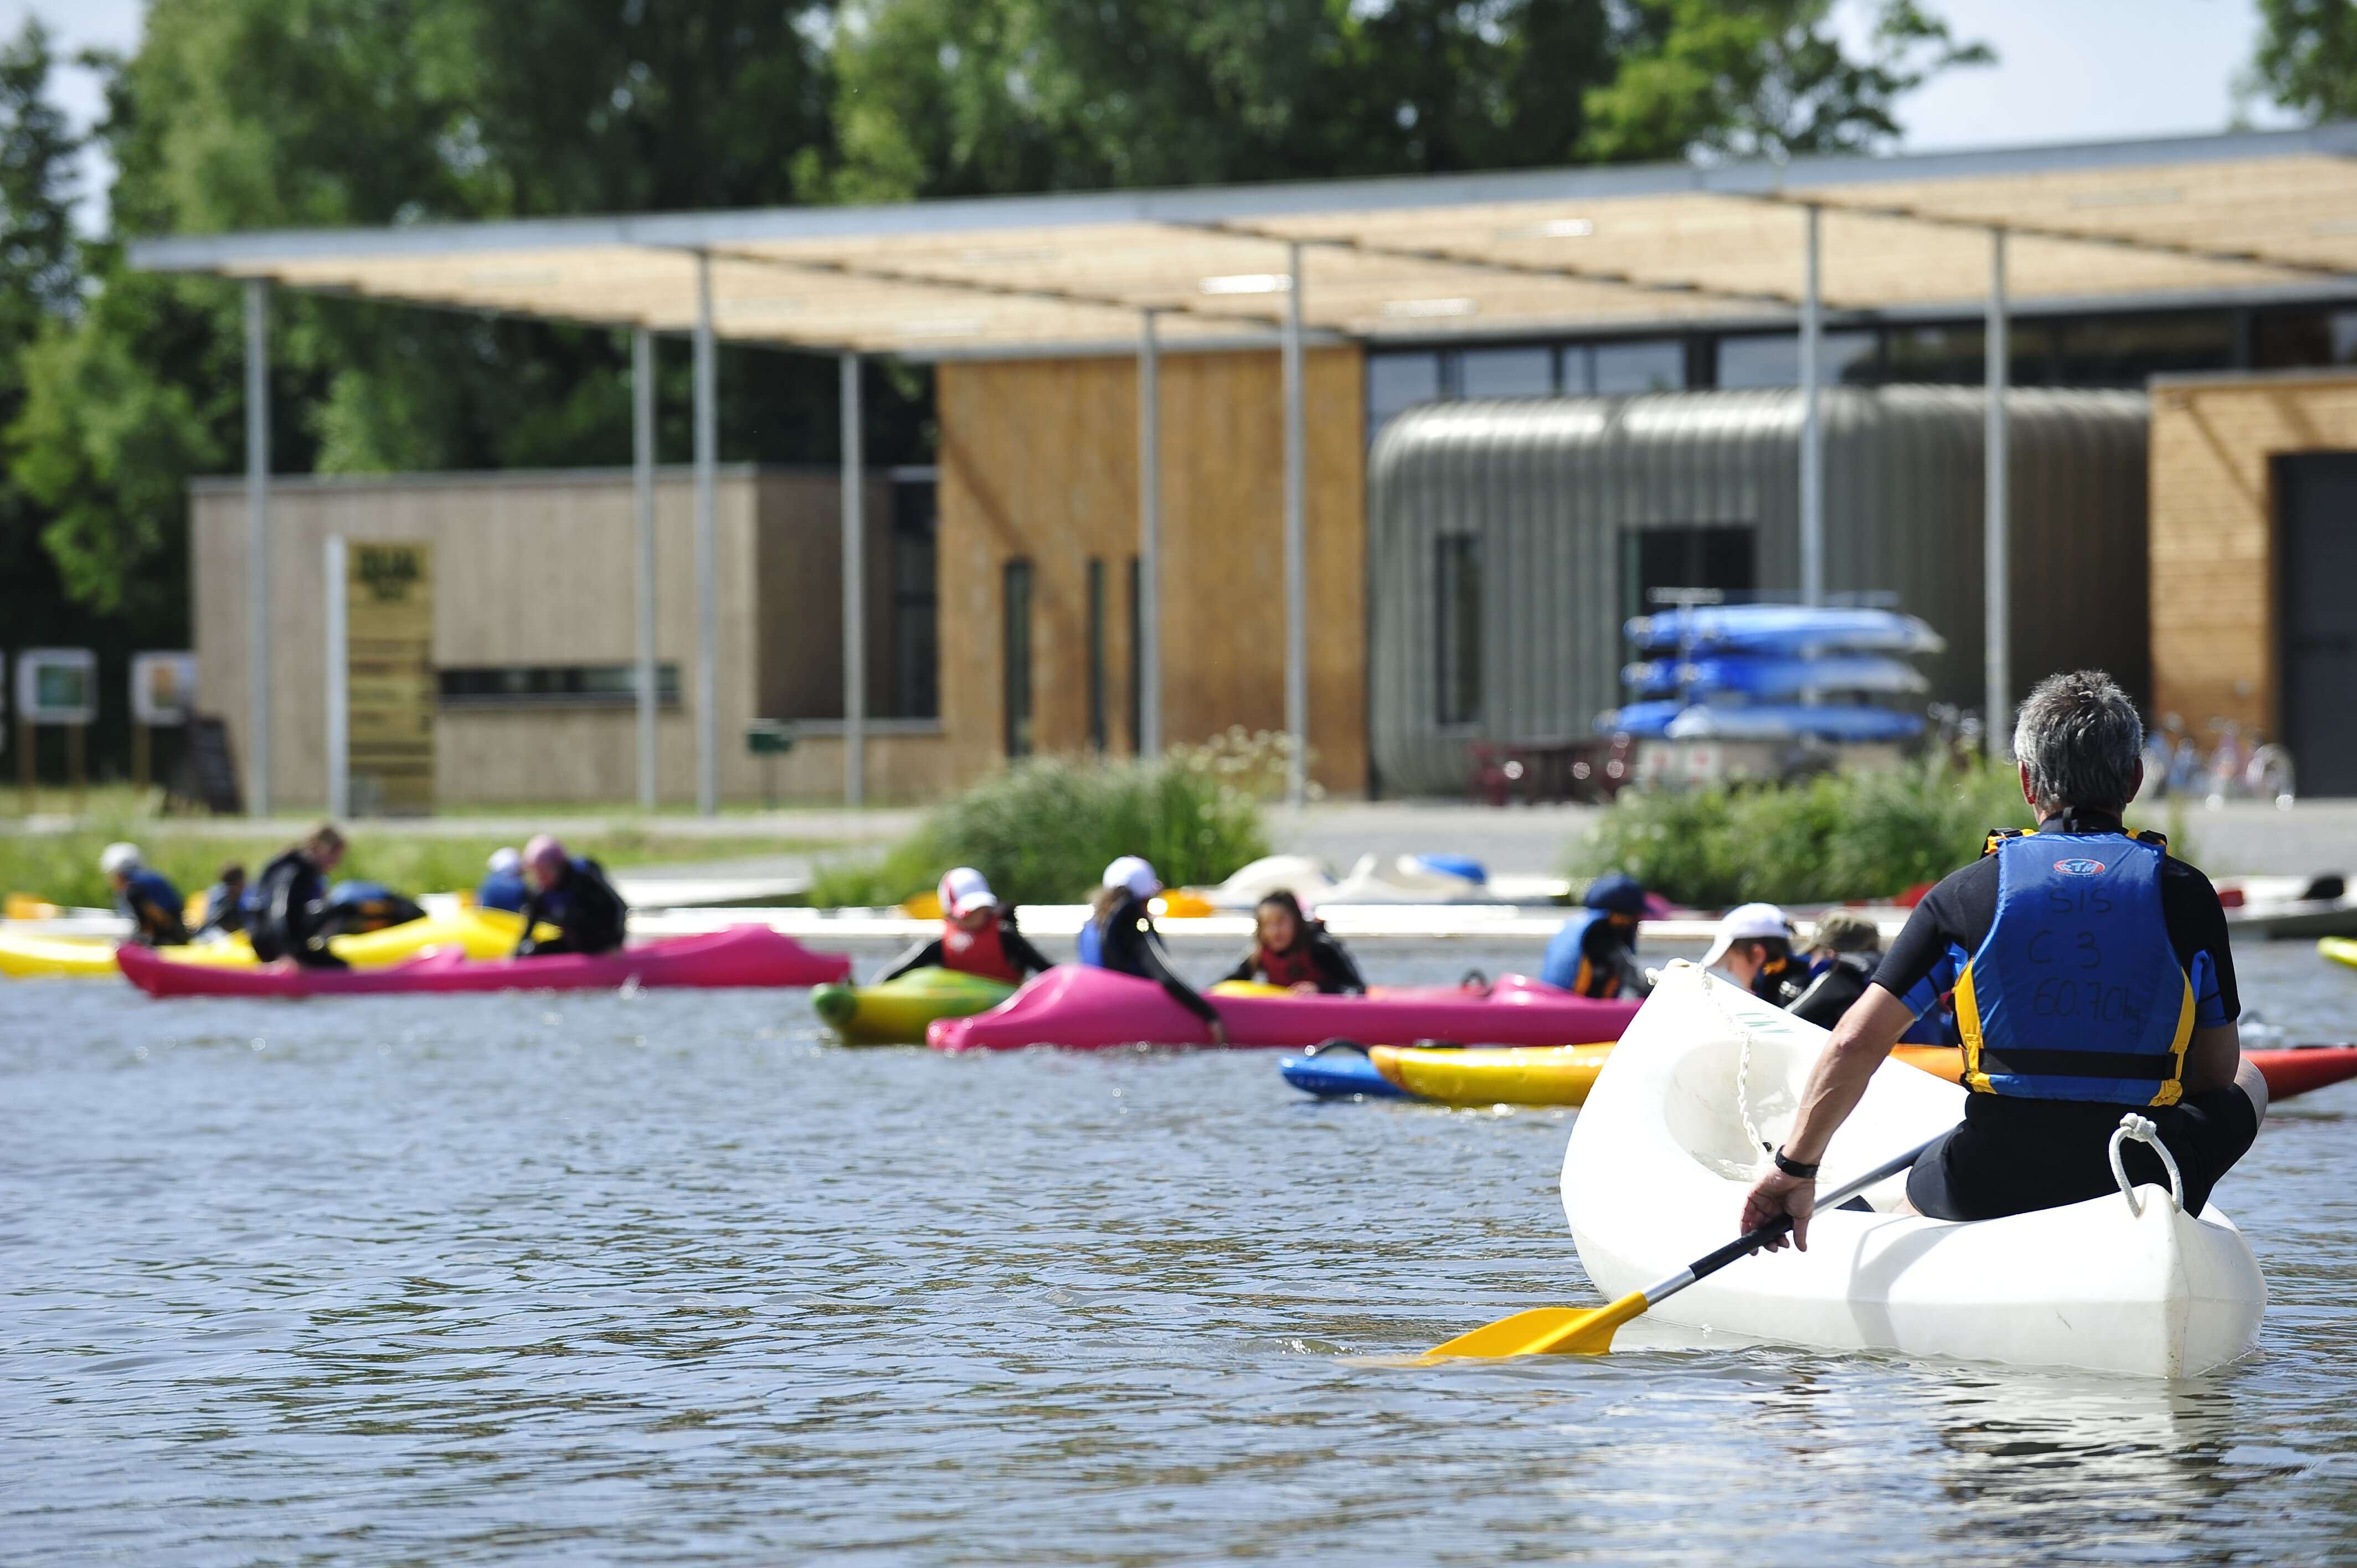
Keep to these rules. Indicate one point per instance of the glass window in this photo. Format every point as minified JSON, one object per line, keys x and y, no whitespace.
{"x":1457,"y":563}
{"x":1646,"y":367}
{"x":914,"y":683}
{"x":1016,"y":598}
{"x":553,"y":685}
{"x":1953,"y":355}
{"x":1773,"y":360}
{"x":1506,"y":372}
{"x":1397,"y":382}
{"x":1721,"y":556}
{"x":2129,"y":351}
{"x":1096,"y":654}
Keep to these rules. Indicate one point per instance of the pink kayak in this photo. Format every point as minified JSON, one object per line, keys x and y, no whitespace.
{"x":739,"y":956}
{"x":1069,"y":1005}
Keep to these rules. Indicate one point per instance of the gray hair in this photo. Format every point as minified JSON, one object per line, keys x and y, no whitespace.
{"x":2080,"y":740}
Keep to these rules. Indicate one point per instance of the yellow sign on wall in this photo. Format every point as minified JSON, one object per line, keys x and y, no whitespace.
{"x":389,"y":660}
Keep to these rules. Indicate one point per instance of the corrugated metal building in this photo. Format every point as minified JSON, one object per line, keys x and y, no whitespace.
{"x":1509,"y":540}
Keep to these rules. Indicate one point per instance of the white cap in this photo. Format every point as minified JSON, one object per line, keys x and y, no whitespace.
{"x":963,"y":890}
{"x":506,"y":861}
{"x":1746,"y":923}
{"x":116,"y":859}
{"x":1135,"y":875}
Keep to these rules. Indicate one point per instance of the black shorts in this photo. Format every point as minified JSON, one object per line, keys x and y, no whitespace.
{"x":2011,"y":1156}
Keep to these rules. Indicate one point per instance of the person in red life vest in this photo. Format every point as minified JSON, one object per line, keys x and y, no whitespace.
{"x":1296,"y":952}
{"x":978,"y":936}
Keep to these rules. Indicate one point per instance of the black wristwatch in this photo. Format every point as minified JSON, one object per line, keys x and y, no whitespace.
{"x":1795,"y":1168}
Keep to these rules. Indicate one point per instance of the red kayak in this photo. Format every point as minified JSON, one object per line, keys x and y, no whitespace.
{"x":2295,"y":1070}
{"x":1093,"y":1008}
{"x":739,"y":956}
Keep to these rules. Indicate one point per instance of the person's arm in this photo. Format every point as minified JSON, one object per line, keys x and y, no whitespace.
{"x":1028,"y":959}
{"x":1246,"y":967}
{"x":1341,"y":975}
{"x":1861,"y":1043}
{"x":2213,"y":1056}
{"x":531,"y":914}
{"x":924,"y":955}
{"x":1149,"y":958}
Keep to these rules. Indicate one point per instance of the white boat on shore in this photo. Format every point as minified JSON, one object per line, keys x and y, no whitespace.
{"x":1674,"y":1132}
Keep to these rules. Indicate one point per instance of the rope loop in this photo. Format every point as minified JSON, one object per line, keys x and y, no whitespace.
{"x":2140,"y":1129}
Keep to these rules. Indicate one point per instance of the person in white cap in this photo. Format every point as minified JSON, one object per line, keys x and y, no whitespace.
{"x":1120,"y":936}
{"x":1753,"y":948}
{"x":502,"y":887}
{"x":978,"y":936}
{"x":145,"y":897}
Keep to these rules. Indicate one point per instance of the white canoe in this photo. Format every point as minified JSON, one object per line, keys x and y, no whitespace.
{"x":1660,"y":1158}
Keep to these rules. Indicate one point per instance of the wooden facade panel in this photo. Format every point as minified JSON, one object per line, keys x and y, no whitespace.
{"x":1038,"y":461}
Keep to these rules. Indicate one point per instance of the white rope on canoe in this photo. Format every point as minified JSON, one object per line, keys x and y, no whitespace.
{"x":2141,"y":1129}
{"x":1757,"y":1146}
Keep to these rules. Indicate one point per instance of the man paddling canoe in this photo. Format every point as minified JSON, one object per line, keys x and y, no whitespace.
{"x":2091,"y":977}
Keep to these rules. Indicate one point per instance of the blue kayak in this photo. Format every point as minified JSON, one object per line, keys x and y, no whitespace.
{"x":1783,"y":628}
{"x":1760,"y":721}
{"x":1773,"y":676}
{"x":1339,"y":1074}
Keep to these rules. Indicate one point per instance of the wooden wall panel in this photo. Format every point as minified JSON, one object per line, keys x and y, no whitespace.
{"x":1038,"y":459}
{"x":2214,"y":597}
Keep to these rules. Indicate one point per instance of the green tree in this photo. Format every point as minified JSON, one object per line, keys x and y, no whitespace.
{"x":2306,"y":58}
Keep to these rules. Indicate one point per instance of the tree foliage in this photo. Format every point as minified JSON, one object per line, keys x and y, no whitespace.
{"x":2306,"y":58}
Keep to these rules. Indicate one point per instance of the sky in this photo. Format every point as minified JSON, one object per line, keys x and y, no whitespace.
{"x":2068,"y":70}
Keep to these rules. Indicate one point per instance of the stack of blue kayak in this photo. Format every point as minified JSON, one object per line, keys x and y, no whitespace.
{"x":1773,"y":672}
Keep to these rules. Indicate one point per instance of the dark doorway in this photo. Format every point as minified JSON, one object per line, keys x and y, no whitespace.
{"x":1716,"y":555}
{"x":2316,"y":497}
{"x":1018,"y":656}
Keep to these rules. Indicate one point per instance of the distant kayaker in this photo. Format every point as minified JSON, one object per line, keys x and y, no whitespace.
{"x":502,"y":884}
{"x":1296,"y":952}
{"x":2092,"y":978}
{"x":1753,"y":948}
{"x":571,"y":893}
{"x":145,"y":896}
{"x":1120,"y":936}
{"x":1842,"y":959}
{"x":978,"y":936}
{"x":1595,"y":953}
{"x":225,"y":904}
{"x":290,"y":902}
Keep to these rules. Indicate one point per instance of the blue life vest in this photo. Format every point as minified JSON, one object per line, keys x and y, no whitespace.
{"x":1566,"y":950}
{"x":502,"y":890}
{"x":1090,"y":943}
{"x":2076,"y":993}
{"x":151,"y":903}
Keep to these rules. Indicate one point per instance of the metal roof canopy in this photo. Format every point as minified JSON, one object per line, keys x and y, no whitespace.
{"x":1425,"y":258}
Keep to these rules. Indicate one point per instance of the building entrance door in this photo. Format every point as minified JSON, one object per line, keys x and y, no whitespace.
{"x":2316,"y":532}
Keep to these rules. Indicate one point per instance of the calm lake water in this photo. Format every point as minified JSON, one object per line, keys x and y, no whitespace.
{"x":665,"y":1279}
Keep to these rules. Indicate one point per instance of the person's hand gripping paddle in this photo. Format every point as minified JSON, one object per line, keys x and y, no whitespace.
{"x":1588,"y":1331}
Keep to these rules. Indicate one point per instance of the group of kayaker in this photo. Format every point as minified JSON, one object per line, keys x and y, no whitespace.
{"x":291,"y":912}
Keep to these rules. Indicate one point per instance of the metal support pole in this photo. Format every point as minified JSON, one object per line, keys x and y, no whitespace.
{"x":855,"y":592}
{"x":338,"y":671}
{"x":1296,"y":555}
{"x":708,"y":567}
{"x":643,"y":478}
{"x":257,"y":545}
{"x":1149,"y":537}
{"x":1995,"y":542}
{"x":1812,"y":430}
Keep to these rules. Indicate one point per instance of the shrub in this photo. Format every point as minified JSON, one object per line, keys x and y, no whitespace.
{"x":1044,"y":829}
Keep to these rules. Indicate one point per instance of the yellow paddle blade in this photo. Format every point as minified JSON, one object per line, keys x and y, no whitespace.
{"x":1545,"y":1330}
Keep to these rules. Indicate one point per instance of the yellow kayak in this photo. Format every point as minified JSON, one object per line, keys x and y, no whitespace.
{"x":483,"y":933}
{"x":1507,"y":1075}
{"x":2339,"y":949}
{"x":896,"y":1012}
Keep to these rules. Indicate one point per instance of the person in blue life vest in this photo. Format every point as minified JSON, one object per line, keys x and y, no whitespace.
{"x":146,"y":897}
{"x":1595,"y":953}
{"x":2092,"y":978}
{"x":227,"y":906}
{"x":978,"y":936}
{"x":571,"y":893}
{"x":1293,"y":951}
{"x":1120,"y":936}
{"x":503,"y":885}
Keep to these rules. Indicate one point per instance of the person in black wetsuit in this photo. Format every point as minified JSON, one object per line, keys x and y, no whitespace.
{"x":146,"y":897}
{"x":1120,"y":936}
{"x":290,"y":903}
{"x":1842,"y":958}
{"x":978,"y":936}
{"x":2092,"y":978}
{"x":572,"y":894}
{"x":1296,"y":952}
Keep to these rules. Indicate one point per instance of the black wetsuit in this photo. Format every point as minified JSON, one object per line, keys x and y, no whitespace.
{"x":1026,"y":959}
{"x":1126,"y":944}
{"x":2013,"y":1155}
{"x":1315,"y":956}
{"x":290,"y":915}
{"x":1842,"y":981}
{"x":589,"y":915}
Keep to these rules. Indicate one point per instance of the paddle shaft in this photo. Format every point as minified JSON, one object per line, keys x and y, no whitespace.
{"x":1750,"y":1242}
